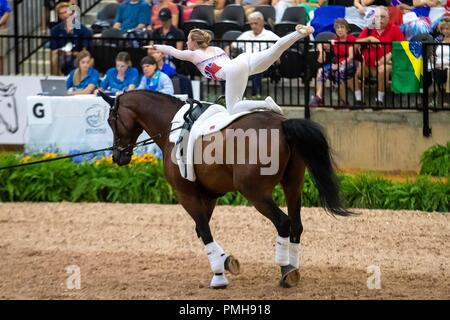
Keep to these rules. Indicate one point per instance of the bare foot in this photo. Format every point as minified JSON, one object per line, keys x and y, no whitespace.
{"x":305,"y":30}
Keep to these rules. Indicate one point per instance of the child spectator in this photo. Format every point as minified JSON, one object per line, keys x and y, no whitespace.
{"x":84,"y":79}
{"x":123,"y":77}
{"x":153,"y":79}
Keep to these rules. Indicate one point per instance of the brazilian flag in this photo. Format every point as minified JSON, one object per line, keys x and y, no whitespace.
{"x":407,"y":66}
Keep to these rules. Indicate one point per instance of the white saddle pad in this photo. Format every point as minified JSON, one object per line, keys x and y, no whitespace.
{"x":214,"y":119}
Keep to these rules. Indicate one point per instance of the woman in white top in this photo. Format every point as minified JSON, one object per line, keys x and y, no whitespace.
{"x":214,"y":64}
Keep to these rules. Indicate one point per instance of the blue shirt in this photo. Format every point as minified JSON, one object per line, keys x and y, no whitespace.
{"x":92,"y":77}
{"x":163,"y":84}
{"x":4,"y":7}
{"x":112,"y":83}
{"x":168,"y":69}
{"x":80,"y":38}
{"x":130,"y":15}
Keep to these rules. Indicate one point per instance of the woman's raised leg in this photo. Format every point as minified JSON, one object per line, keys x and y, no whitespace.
{"x":262,"y":60}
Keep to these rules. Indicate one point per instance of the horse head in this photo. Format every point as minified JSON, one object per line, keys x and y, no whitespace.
{"x":125,"y":129}
{"x":8,"y":109}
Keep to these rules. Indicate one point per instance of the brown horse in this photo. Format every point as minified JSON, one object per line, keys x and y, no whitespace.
{"x":300,"y":143}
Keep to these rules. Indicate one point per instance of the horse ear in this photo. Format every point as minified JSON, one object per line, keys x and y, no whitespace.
{"x":11,"y":90}
{"x":111,"y":101}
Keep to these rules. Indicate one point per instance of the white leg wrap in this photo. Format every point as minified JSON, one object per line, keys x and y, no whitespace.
{"x":219,"y":281}
{"x":294,"y":254}
{"x":282,"y":251}
{"x":216,"y":257}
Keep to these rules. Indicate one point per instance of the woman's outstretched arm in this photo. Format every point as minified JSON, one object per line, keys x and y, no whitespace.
{"x":186,"y":55}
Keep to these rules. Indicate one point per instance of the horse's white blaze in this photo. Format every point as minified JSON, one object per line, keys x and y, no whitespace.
{"x":294,"y":254}
{"x":216,"y":257}
{"x":282,"y":251}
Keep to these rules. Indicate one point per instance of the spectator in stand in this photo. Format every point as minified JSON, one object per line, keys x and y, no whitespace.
{"x":160,"y":59}
{"x":5,"y":13}
{"x":342,"y":67}
{"x":156,"y":22}
{"x":249,"y":5}
{"x":256,"y":34}
{"x":67,"y":41}
{"x":123,"y":77}
{"x":311,"y":5}
{"x":153,"y":79}
{"x":218,"y":7}
{"x":84,"y":79}
{"x":281,"y":6}
{"x":440,"y":61}
{"x":362,"y":4}
{"x":377,"y":58}
{"x":167,"y":33}
{"x":132,"y":14}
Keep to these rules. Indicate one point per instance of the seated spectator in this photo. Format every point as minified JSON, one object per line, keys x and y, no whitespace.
{"x":156,"y":22}
{"x":67,"y":41}
{"x":123,"y":77}
{"x":132,"y":14}
{"x":167,"y":33}
{"x":249,"y":5}
{"x":5,"y":12}
{"x":311,"y":5}
{"x":84,"y":79}
{"x":161,"y":62}
{"x":440,"y":61}
{"x":153,"y":79}
{"x":281,"y":6}
{"x":362,"y":4}
{"x":253,"y":36}
{"x":342,"y":67}
{"x":218,"y":7}
{"x":377,"y":58}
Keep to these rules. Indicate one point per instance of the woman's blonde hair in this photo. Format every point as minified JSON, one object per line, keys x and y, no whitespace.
{"x":201,"y":37}
{"x":80,"y":56}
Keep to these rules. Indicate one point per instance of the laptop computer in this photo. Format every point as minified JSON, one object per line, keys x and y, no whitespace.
{"x":53,"y":87}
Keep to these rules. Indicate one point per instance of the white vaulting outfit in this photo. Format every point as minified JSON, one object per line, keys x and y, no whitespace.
{"x":214,"y":64}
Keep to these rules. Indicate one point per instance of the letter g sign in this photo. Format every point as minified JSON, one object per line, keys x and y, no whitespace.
{"x":38,"y":110}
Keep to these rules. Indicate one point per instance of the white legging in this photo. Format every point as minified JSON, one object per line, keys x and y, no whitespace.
{"x":237,"y":71}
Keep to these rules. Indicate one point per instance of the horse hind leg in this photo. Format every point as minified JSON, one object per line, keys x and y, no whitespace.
{"x":289,"y":274}
{"x":292,"y":185}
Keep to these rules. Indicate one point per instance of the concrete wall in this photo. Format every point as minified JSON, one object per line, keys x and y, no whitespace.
{"x":378,"y":140}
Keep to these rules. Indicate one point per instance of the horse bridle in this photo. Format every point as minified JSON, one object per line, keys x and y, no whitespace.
{"x":115,"y":117}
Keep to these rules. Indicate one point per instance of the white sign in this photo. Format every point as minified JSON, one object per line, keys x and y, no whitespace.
{"x":14,"y":91}
{"x":39,"y":112}
{"x":70,"y":124}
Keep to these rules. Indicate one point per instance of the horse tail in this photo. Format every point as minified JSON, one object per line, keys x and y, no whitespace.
{"x":307,"y":138}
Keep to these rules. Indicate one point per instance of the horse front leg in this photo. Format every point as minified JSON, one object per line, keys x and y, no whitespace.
{"x":218,"y":259}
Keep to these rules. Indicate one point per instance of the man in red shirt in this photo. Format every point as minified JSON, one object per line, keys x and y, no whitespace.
{"x":377,"y":57}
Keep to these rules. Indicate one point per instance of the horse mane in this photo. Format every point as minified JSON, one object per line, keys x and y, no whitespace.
{"x":164,"y":95}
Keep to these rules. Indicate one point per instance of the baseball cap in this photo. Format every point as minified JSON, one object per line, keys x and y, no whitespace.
{"x":165,"y":14}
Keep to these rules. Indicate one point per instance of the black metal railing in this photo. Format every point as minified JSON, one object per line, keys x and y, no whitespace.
{"x":292,"y":81}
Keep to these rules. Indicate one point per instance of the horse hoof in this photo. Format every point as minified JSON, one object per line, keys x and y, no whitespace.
{"x":232,"y":265}
{"x":219,"y":281}
{"x":290,"y":278}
